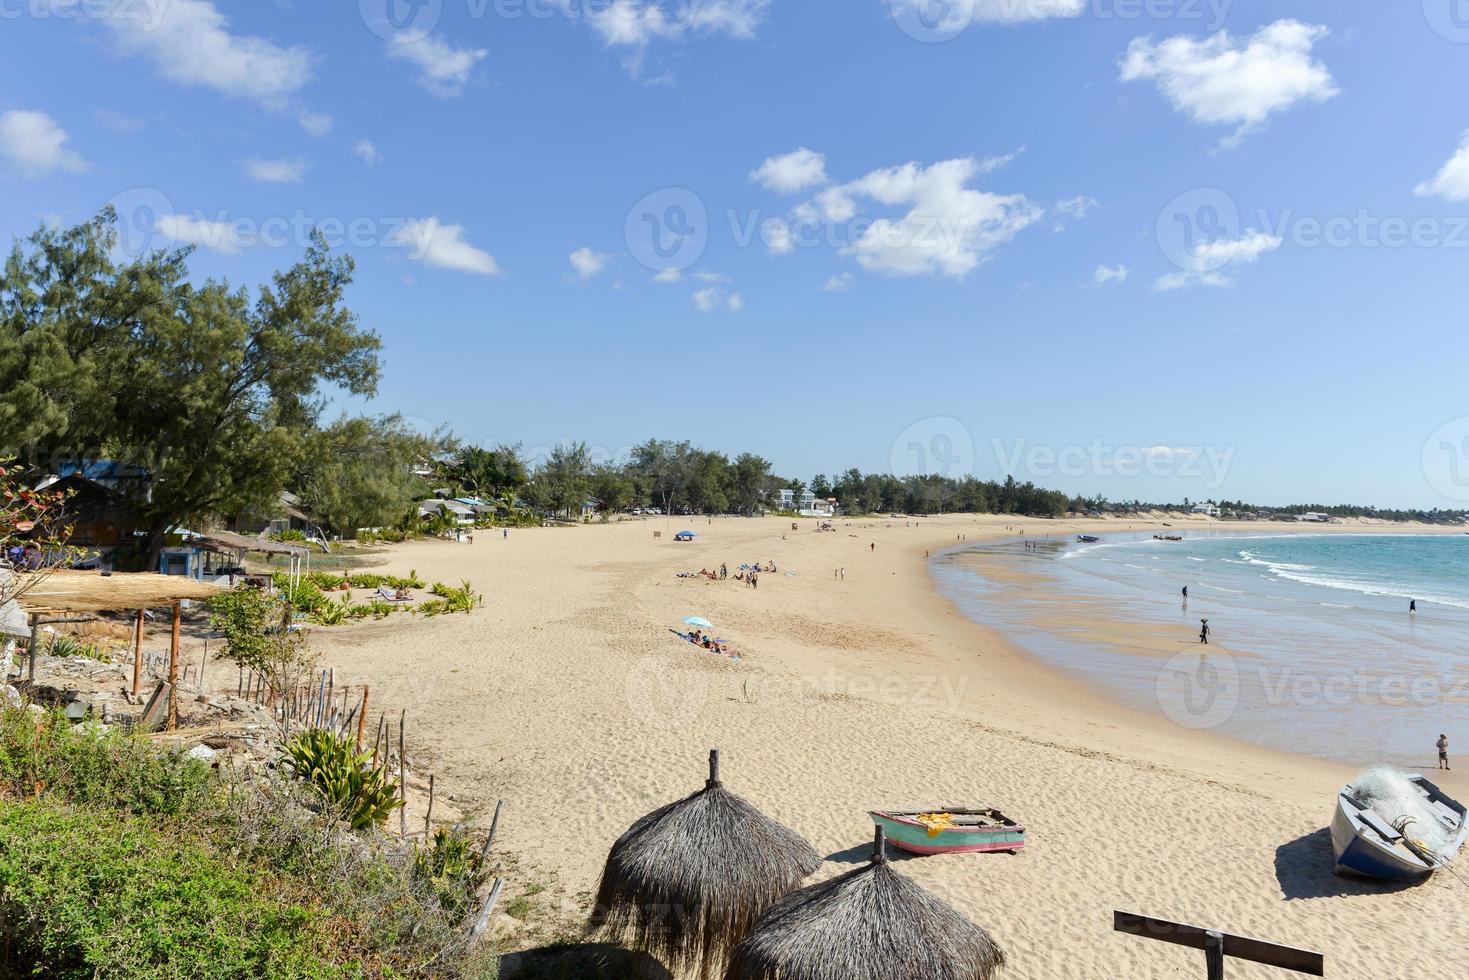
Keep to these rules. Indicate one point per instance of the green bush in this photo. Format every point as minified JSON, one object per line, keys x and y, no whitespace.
{"x":453,"y":598}
{"x":290,"y":534}
{"x":364,"y":796}
{"x":48,"y":756}
{"x":87,"y":894}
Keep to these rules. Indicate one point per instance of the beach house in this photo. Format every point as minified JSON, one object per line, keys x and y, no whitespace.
{"x":1208,"y":510}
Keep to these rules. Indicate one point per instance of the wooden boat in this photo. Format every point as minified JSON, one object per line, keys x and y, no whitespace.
{"x":964,"y":831}
{"x":1369,"y":845}
{"x":1088,"y":538}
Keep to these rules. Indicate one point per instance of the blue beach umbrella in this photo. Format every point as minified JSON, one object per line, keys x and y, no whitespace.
{"x":698,"y":621}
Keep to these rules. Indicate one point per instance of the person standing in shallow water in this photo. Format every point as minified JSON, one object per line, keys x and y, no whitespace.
{"x":1412,"y":607}
{"x":1204,"y":632}
{"x":1443,"y":752}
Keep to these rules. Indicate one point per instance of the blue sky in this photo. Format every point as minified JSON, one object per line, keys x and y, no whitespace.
{"x":1149,"y":248}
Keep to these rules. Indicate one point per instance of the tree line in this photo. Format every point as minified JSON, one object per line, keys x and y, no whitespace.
{"x":217,"y":395}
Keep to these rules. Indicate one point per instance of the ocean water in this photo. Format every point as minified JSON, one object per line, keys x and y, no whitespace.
{"x":1314,"y":649}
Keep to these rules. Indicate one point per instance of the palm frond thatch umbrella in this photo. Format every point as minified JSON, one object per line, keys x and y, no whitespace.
{"x":687,"y":881}
{"x":868,"y":924}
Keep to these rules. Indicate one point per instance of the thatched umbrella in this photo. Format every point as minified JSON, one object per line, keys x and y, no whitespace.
{"x":686,"y":882}
{"x":868,"y":924}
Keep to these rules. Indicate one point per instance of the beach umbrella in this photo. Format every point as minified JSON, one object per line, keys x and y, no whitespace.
{"x":687,"y":881}
{"x":868,"y":924}
{"x":698,"y":621}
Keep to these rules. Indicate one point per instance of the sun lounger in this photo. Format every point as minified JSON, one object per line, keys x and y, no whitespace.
{"x":386,"y":596}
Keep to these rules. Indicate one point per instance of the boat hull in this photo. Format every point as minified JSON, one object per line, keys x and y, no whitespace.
{"x":1369,"y":847}
{"x":913,"y":837}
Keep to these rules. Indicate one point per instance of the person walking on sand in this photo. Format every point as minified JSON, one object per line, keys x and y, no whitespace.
{"x":1204,"y":632}
{"x":1443,"y":752}
{"x":505,"y":534}
{"x":873,"y":546}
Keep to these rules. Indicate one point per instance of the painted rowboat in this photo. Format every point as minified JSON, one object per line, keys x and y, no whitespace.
{"x":1367,"y":845}
{"x":966,"y":831}
{"x":1087,"y":538}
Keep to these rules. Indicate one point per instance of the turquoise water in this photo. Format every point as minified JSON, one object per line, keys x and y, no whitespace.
{"x":1314,"y":649}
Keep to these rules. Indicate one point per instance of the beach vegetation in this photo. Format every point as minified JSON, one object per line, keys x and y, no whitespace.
{"x":351,"y":786}
{"x":122,"y":858}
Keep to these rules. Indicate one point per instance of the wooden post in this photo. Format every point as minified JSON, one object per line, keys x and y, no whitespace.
{"x":362,"y":720}
{"x":138,"y":655}
{"x":428,"y":815}
{"x":482,"y":921}
{"x":484,"y":853}
{"x":402,"y":778}
{"x":35,"y":642}
{"x":1214,"y":954}
{"x":173,"y":667}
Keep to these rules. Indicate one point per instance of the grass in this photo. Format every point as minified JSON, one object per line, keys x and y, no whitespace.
{"x":120,"y":858}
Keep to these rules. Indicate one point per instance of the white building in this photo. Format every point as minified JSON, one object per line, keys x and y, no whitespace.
{"x":1208,"y":510}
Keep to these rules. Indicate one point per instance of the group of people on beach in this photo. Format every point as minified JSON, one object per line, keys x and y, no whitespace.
{"x":749,"y":574}
{"x":701,"y":639}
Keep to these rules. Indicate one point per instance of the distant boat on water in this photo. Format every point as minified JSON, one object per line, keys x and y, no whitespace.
{"x":1424,"y":833}
{"x":950,"y":831}
{"x":1088,"y":538}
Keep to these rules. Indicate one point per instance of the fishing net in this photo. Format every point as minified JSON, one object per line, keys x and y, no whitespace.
{"x":1394,"y":798}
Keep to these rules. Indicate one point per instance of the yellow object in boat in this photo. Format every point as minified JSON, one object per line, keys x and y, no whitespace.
{"x":936,"y":823}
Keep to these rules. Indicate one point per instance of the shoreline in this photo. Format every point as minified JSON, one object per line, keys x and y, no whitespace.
{"x":566,"y":695}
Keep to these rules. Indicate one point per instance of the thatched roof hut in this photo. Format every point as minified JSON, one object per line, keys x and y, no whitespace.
{"x":687,"y":881}
{"x":868,"y":924}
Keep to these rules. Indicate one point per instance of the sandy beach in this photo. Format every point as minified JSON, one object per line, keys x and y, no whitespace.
{"x":568,"y":697}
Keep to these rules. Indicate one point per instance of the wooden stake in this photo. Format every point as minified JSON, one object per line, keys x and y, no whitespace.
{"x":362,"y":720}
{"x":482,"y":922}
{"x":402,"y":778}
{"x":138,"y":655}
{"x":173,"y":668}
{"x":484,"y":853}
{"x":428,"y":815}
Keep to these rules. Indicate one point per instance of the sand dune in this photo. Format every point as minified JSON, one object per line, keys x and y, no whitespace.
{"x":568,"y":697}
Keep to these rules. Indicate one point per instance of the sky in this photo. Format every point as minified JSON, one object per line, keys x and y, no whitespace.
{"x":1152,"y":249}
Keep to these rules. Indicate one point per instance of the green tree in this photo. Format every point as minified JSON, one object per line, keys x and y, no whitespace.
{"x":358,"y":472}
{"x":213,"y":394}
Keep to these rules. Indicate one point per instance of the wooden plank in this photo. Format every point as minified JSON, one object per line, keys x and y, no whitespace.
{"x":1240,"y":947}
{"x":155,"y":714}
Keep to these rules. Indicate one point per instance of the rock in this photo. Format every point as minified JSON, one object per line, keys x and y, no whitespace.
{"x":201,"y":752}
{"x":10,"y":696}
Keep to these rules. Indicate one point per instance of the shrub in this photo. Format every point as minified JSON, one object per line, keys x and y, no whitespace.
{"x":361,"y":794}
{"x":290,"y":534}
{"x":454,"y":598}
{"x":87,"y":894}
{"x":86,"y":764}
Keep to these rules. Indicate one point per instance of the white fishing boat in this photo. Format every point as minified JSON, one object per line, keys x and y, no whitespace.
{"x":1393,"y":826}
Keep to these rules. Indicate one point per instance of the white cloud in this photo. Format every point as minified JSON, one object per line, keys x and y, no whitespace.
{"x":35,"y":145}
{"x":316,"y":123}
{"x":275,"y":171}
{"x":1077,"y":207}
{"x":588,"y":263}
{"x":442,"y":68}
{"x":778,"y":237}
{"x":119,"y":123}
{"x":1106,"y":274}
{"x":944,"y":17}
{"x":367,"y":152}
{"x":1224,"y":81}
{"x":948,"y":227}
{"x":444,"y":247}
{"x":1209,"y":260}
{"x":670,"y":274}
{"x":1452,"y":180}
{"x":635,"y":24}
{"x":840,"y":283}
{"x":711,"y":276}
{"x":217,"y":236}
{"x":711,"y":299}
{"x":190,"y":43}
{"x":792,"y":173}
